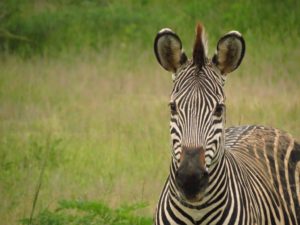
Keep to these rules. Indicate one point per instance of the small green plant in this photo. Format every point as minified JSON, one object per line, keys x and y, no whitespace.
{"x":70,"y":212}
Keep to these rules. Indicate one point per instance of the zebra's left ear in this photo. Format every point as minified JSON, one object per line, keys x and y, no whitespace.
{"x":168,"y":50}
{"x":230,"y":52}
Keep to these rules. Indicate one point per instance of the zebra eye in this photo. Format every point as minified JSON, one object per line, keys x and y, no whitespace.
{"x":173,"y":107}
{"x":219,"y":110}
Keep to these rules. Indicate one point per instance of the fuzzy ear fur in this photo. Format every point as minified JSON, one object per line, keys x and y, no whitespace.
{"x":230,"y":52}
{"x":168,"y":50}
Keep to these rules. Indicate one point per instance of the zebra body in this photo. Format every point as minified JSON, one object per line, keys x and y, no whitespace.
{"x":240,"y":175}
{"x":246,"y":193}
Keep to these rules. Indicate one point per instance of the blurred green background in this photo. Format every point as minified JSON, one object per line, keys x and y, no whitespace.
{"x":80,"y":89}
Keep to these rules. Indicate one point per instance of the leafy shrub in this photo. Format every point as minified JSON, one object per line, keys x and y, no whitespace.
{"x":83,"y":212}
{"x":58,"y":26}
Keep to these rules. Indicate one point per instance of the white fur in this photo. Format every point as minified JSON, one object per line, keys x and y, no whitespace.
{"x":235,"y":32}
{"x":204,"y":41}
{"x":165,"y":29}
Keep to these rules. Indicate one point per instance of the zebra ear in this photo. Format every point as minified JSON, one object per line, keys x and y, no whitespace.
{"x":168,"y":50}
{"x":230,"y":52}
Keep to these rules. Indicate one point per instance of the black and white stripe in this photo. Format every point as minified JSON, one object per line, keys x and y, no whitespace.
{"x":254,"y":171}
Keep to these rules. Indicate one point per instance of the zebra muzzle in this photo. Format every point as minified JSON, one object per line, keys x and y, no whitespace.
{"x":192,"y":177}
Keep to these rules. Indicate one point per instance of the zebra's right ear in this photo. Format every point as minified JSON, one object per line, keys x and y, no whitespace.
{"x":230,"y":52}
{"x":168,"y":50}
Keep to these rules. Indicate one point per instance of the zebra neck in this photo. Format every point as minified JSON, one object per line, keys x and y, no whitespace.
{"x":218,"y":157}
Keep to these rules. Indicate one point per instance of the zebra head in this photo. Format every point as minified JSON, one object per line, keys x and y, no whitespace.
{"x":197,"y":105}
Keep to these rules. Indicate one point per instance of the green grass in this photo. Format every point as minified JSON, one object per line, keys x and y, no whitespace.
{"x":106,"y":128}
{"x":90,"y":213}
{"x":101,"y":146}
{"x":98,"y":110}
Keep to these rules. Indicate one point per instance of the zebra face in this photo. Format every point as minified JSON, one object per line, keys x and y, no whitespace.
{"x":197,"y":104}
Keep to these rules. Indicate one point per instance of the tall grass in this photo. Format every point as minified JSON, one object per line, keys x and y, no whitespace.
{"x":108,"y":126}
{"x":100,"y":106}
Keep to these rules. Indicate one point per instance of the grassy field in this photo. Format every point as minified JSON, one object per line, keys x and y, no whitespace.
{"x":107,"y":127}
{"x":100,"y":117}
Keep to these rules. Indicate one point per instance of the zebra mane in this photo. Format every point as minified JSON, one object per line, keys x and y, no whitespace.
{"x":200,"y":46}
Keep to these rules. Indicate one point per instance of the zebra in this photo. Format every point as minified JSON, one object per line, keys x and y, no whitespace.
{"x":242,"y":175}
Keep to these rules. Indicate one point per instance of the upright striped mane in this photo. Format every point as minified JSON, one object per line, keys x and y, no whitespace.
{"x":200,"y":46}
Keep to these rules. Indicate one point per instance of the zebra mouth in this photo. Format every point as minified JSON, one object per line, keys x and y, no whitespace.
{"x":189,"y":196}
{"x":192,"y":185}
{"x":193,"y":199}
{"x":191,"y":188}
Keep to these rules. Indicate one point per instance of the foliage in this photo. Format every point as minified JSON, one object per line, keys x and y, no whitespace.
{"x":49,"y":27}
{"x":88,"y":213}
